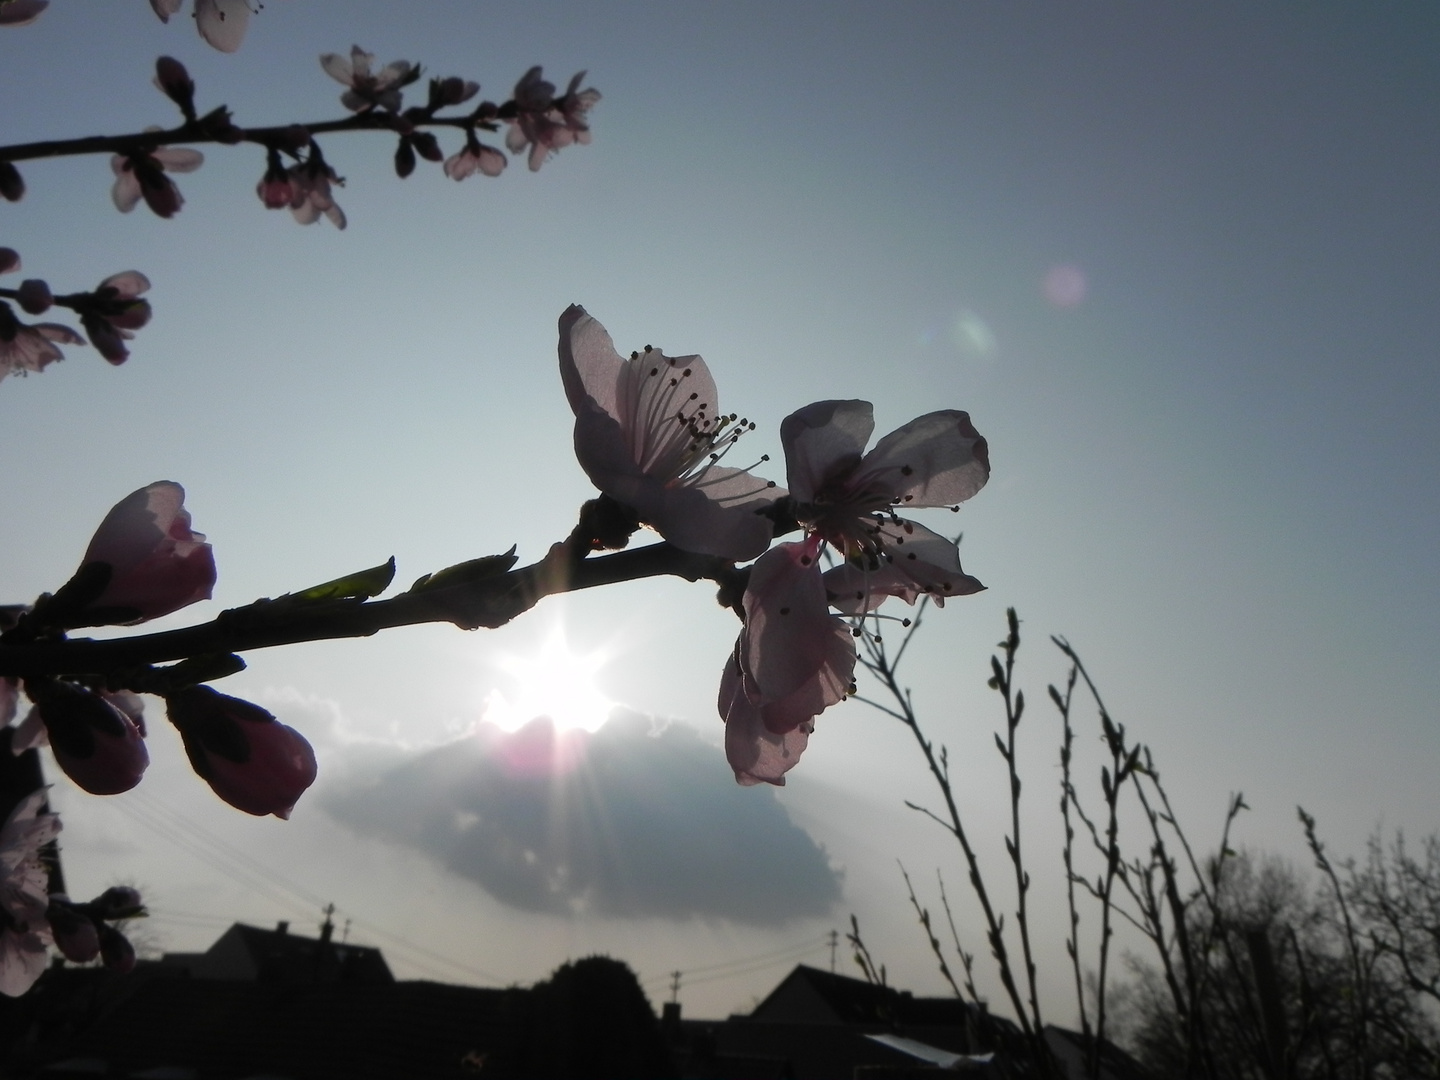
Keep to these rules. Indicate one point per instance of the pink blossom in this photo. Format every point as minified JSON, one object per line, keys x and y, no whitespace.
{"x":21,"y":12}
{"x":545,"y":123}
{"x":158,"y":564}
{"x":310,"y":197}
{"x":26,"y":347}
{"x":793,"y":660}
{"x":250,"y":759}
{"x":24,"y":884}
{"x":115,"y":312}
{"x":367,"y":91}
{"x":648,"y":433}
{"x":141,"y":175}
{"x":222,"y":23}
{"x":849,"y":498}
{"x":476,"y":157}
{"x":96,"y":743}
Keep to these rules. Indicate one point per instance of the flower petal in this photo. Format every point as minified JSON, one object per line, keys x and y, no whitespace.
{"x":179,"y":159}
{"x":756,"y":754}
{"x":801,"y":657}
{"x":938,"y":459}
{"x":913,"y":560}
{"x":337,"y":67}
{"x":222,"y":23}
{"x":823,"y":440}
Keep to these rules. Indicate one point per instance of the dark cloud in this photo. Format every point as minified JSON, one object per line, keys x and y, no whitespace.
{"x":628,"y":822}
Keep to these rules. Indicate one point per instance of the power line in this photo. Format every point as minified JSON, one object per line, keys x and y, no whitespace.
{"x":263,"y":880}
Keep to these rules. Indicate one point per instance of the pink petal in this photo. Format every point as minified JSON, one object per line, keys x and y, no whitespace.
{"x":716,"y":515}
{"x":128,"y":283}
{"x":158,"y":563}
{"x":756,"y":754}
{"x":126,"y":190}
{"x":337,"y":67}
{"x":822,"y":441}
{"x":792,"y":638}
{"x":56,"y":332}
{"x":492,"y":162}
{"x":938,"y":459}
{"x":914,"y":560}
{"x":222,"y":23}
{"x":179,"y":159}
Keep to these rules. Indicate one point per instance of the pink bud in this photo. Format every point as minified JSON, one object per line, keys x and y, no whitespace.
{"x":175,"y":83}
{"x":158,"y":564}
{"x":75,"y":933}
{"x":116,"y":952}
{"x":96,"y":744}
{"x":250,"y":759}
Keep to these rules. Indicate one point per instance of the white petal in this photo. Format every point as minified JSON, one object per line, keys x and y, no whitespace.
{"x":935,"y":460}
{"x":126,"y":192}
{"x":821,"y":439}
{"x":128,"y":283}
{"x":222,"y":23}
{"x":180,"y":159}
{"x":337,"y":67}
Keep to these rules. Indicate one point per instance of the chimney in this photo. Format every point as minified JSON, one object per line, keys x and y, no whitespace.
{"x":282,"y":927}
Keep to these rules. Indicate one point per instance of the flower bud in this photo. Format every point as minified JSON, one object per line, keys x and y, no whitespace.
{"x":250,"y":759}
{"x":74,"y":931}
{"x":35,"y":296}
{"x":9,"y":260}
{"x":174,"y":82}
{"x":116,"y":952}
{"x":12,"y":184}
{"x":117,"y":902}
{"x":96,"y":744}
{"x":427,"y":146}
{"x":158,"y":564}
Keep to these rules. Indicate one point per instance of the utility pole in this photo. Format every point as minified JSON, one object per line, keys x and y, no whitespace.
{"x":834,"y":944}
{"x":675,"y":986}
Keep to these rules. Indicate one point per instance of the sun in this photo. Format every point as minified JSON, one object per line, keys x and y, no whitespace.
{"x":554,"y":682}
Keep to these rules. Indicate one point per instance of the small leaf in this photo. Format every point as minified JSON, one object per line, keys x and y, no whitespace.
{"x":465,"y":573}
{"x":357,"y":586}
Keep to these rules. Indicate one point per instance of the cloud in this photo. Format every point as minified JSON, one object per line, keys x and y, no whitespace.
{"x":633,"y":821}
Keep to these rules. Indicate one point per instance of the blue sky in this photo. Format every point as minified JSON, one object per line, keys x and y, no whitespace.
{"x":1215,"y":473}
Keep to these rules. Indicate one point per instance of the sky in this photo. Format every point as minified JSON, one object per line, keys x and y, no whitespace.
{"x":1181,"y":264}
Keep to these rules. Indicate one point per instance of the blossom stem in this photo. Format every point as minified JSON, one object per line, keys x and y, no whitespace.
{"x":197,"y":132}
{"x":489,"y":602}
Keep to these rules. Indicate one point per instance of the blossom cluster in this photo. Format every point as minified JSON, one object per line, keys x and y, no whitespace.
{"x":650,"y":435}
{"x":110,"y":314}
{"x":146,"y":561}
{"x":538,"y":122}
{"x":32,"y":918}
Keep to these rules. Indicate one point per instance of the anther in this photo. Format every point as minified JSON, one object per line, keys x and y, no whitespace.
{"x":784,"y":611}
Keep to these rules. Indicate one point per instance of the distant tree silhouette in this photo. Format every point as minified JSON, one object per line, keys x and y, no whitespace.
{"x":590,"y":1019}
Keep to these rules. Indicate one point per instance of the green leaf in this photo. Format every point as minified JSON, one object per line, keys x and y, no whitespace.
{"x":357,"y":586}
{"x":467,"y":572}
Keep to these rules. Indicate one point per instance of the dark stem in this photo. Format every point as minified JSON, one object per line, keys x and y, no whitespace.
{"x":489,"y":602}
